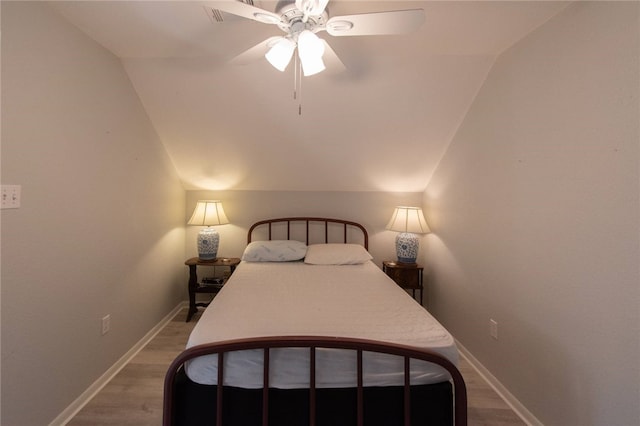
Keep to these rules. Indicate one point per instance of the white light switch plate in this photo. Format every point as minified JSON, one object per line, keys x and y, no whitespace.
{"x":11,"y":196}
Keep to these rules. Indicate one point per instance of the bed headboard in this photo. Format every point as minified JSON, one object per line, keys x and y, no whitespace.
{"x":311,"y":230}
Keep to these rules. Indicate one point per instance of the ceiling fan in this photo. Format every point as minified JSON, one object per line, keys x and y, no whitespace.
{"x":300,"y":20}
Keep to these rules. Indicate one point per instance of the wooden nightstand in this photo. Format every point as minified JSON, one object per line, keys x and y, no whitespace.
{"x":406,"y":275}
{"x":210,"y":286}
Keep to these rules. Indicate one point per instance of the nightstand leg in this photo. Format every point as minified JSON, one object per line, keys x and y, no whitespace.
{"x":193,"y":283}
{"x":420,"y":284}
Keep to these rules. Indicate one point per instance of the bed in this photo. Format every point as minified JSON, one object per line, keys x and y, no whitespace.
{"x":309,"y":331}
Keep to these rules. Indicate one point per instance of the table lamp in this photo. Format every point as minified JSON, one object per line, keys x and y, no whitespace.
{"x":409,"y":221}
{"x":208,"y":213}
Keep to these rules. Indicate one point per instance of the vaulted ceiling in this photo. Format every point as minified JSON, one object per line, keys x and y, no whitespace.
{"x":383,"y":123}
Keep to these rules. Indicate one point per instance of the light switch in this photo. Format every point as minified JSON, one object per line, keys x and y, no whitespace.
{"x":11,"y":196}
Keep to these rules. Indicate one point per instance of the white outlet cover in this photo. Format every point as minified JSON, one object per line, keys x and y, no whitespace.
{"x":493,"y":328}
{"x":106,"y":324}
{"x":11,"y":196}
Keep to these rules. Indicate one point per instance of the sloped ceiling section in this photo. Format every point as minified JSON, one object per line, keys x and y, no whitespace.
{"x":383,"y":123}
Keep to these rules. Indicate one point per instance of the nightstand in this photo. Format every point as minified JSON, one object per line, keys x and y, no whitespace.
{"x":207,"y":285}
{"x":406,"y":275}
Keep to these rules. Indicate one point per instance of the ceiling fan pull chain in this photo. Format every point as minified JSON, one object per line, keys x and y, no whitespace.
{"x":299,"y":93}
{"x":295,"y":77}
{"x":298,"y":71}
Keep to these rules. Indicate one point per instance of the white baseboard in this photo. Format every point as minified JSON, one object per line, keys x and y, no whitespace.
{"x":502,"y":391}
{"x":73,"y":409}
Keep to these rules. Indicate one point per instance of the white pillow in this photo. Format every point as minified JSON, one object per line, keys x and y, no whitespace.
{"x":336,"y":254}
{"x":274,"y":251}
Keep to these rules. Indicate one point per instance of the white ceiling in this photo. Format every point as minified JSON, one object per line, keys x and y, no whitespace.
{"x":381,"y":124}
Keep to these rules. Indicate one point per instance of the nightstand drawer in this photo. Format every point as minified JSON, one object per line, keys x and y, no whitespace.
{"x":405,"y":278}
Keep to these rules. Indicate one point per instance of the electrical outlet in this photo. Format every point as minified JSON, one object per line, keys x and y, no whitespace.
{"x":106,"y":324}
{"x":11,"y":196}
{"x":493,"y":328}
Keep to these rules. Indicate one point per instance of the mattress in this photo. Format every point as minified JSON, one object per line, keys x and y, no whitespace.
{"x":293,"y":298}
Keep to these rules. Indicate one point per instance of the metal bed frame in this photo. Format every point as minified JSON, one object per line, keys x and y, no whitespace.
{"x":312,"y":343}
{"x":344,"y":224}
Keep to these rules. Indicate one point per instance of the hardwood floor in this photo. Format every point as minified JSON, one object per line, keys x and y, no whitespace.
{"x":134,"y":395}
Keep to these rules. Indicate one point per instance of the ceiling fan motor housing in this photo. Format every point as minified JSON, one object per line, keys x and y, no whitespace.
{"x":292,"y":20}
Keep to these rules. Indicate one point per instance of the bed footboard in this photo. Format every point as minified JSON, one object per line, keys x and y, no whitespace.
{"x":459,"y":409}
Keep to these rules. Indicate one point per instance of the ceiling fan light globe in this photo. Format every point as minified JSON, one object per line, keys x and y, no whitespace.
{"x":281,"y":53}
{"x":310,"y":51}
{"x":312,"y":65}
{"x":310,"y":45}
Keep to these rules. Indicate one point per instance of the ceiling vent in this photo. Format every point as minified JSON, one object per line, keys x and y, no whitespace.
{"x":216,"y":15}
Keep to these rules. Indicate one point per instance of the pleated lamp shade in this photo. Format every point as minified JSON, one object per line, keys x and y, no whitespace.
{"x":409,"y":221}
{"x":208,"y":213}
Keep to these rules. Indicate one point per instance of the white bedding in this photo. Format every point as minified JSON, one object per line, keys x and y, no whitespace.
{"x":294,"y":298}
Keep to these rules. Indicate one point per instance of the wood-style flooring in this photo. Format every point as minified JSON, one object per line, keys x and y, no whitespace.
{"x":134,"y":396}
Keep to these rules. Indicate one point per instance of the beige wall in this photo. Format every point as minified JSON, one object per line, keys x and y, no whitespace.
{"x":534,"y":210}
{"x":535,"y":216}
{"x":101,"y":226}
{"x":243,"y":208}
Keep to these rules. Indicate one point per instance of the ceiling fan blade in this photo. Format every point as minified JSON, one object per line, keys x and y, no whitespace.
{"x":377,"y":23}
{"x":331,"y":60}
{"x":256,"y":52}
{"x":245,"y":10}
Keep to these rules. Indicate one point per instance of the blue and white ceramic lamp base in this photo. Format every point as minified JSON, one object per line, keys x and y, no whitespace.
{"x":208,"y":242}
{"x":407,"y":247}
